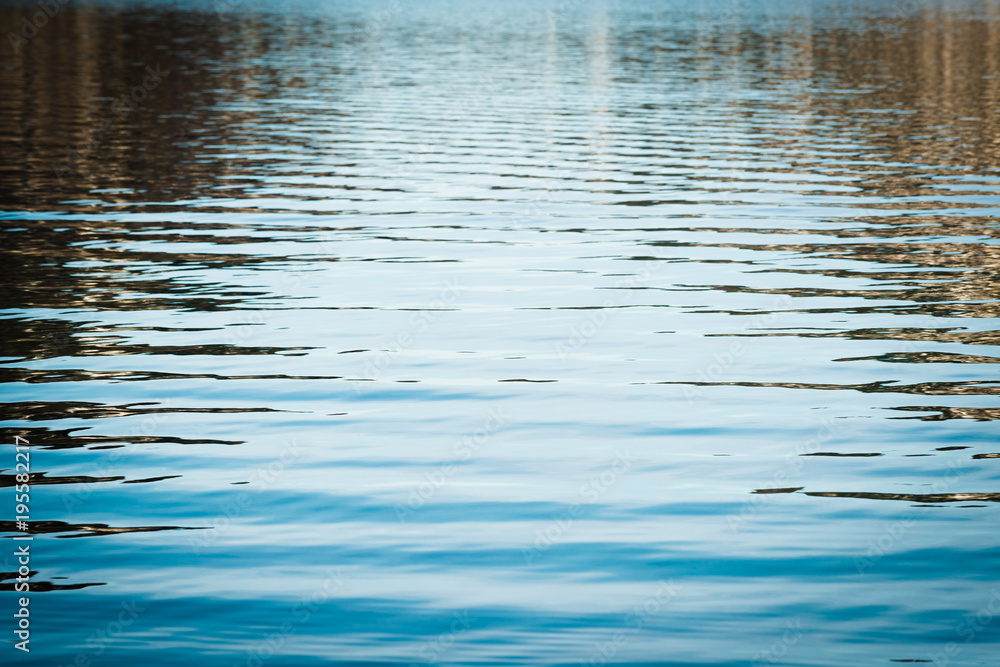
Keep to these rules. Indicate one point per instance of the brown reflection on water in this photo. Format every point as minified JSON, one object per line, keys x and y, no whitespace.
{"x":940,"y":61}
{"x":39,"y":586}
{"x":962,"y":274}
{"x":65,"y":135}
{"x":940,"y":335}
{"x":35,"y":271}
{"x":969,"y":388}
{"x":83,"y":375}
{"x":38,"y":478}
{"x":67,"y":129}
{"x":912,"y":497}
{"x":81,"y":529}
{"x":973,"y":387}
{"x":927,"y":358}
{"x":945,"y":412}
{"x":45,"y":410}
{"x":70,"y":438}
{"x":33,"y":339}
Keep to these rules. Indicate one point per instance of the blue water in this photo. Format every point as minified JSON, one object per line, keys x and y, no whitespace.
{"x":568,"y":332}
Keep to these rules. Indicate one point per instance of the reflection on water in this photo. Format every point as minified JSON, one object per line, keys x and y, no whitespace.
{"x":532,"y":333}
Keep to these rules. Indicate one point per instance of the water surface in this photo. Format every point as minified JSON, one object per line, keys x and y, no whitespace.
{"x":536,"y":333}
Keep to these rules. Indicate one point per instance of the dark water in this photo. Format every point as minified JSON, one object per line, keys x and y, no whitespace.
{"x":503,"y":333}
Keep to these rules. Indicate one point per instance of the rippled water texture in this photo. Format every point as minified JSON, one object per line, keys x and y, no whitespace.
{"x":544,"y":333}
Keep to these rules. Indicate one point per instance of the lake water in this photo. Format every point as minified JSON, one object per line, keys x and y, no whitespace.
{"x":544,"y":333}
